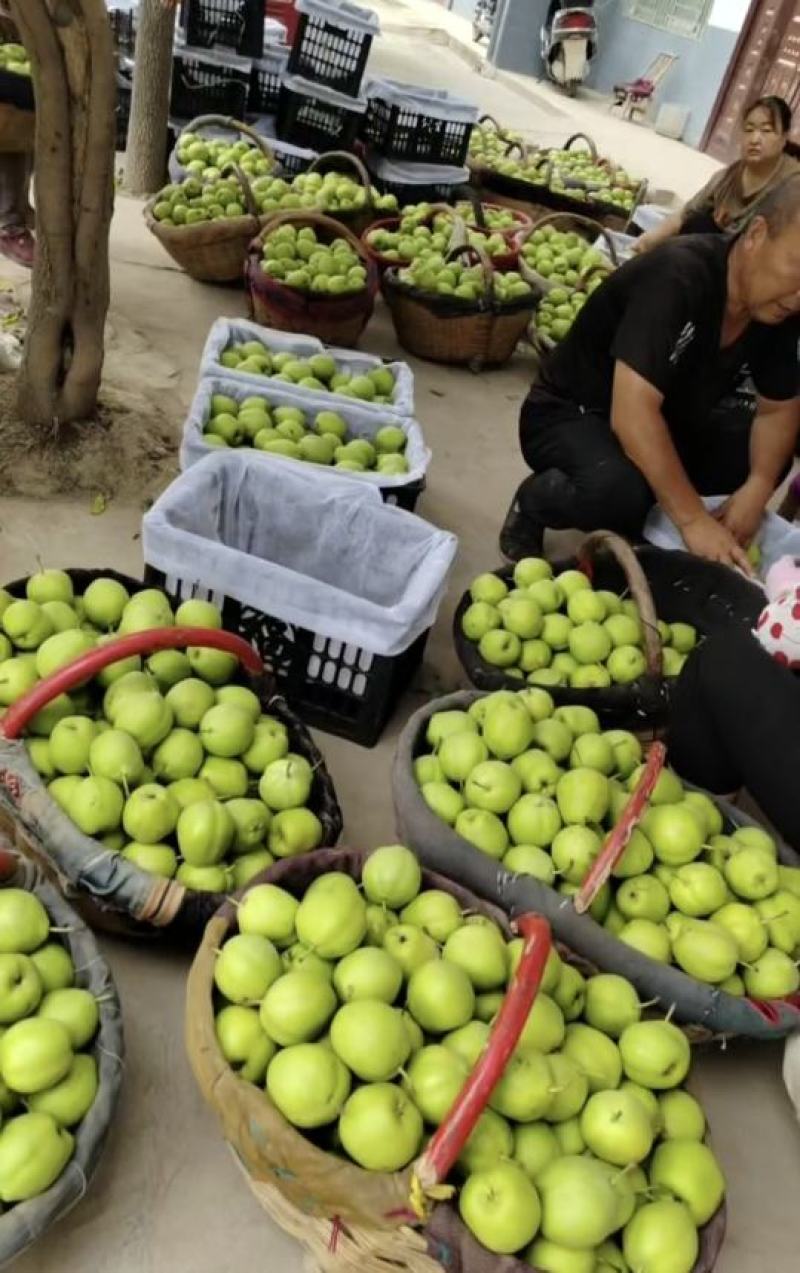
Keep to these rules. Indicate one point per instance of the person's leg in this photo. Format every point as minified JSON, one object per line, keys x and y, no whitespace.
{"x":735,"y":722}
{"x":16,"y":213}
{"x":582,"y":479}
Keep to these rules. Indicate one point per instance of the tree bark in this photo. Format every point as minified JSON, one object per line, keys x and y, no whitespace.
{"x":72,"y":58}
{"x":146,"y":154}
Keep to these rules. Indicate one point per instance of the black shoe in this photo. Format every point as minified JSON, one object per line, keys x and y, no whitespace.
{"x":520,"y":535}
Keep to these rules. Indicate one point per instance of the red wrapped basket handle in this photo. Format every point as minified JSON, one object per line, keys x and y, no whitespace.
{"x":618,"y":837}
{"x":89,"y":664}
{"x":449,"y":1139}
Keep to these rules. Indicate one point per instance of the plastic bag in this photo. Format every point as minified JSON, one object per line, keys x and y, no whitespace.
{"x":225,"y":331}
{"x":361,"y":422}
{"x":328,"y":556}
{"x":776,"y":538}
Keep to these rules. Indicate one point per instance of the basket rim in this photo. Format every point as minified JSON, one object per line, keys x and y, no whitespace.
{"x":171,"y":897}
{"x":456,"y":308}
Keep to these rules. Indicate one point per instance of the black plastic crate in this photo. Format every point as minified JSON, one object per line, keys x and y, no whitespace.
{"x":330,"y":54}
{"x":399,"y":132}
{"x":201,"y":87}
{"x":236,"y":24}
{"x":123,"y":29}
{"x":316,"y":122}
{"x":265,"y":81}
{"x":338,"y":688}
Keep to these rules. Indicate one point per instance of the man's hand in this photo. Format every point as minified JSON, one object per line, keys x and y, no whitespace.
{"x":706,"y":537}
{"x":743,"y":511}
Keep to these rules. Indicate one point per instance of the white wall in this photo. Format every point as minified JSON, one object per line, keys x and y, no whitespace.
{"x":729,"y":14}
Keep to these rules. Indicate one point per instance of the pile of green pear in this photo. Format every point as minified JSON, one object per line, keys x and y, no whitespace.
{"x":190,"y":202}
{"x":432,"y":273}
{"x":538,"y":788}
{"x":557,"y":312}
{"x":335,"y":192}
{"x":319,"y":371}
{"x":487,"y":145}
{"x":361,"y":1007}
{"x":561,"y":256}
{"x":14,"y":58}
{"x":602,"y":181}
{"x":207,"y":157}
{"x":296,"y":257}
{"x":291,"y":432}
{"x":48,"y":1075}
{"x":164,"y":760}
{"x":556,"y":631}
{"x":413,"y":239}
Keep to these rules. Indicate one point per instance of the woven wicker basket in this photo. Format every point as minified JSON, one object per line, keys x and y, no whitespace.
{"x":336,"y":320}
{"x":111,"y":893}
{"x":210,"y":251}
{"x":505,"y":261}
{"x":359,"y":220}
{"x":335,"y":1209}
{"x":479,"y":334}
{"x":225,"y":123}
{"x":584,"y":226}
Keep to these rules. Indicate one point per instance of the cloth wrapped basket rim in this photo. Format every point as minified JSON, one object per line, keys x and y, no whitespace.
{"x":116,"y":894}
{"x":23,"y":1224}
{"x":271,"y":1151}
{"x":712,"y":1011}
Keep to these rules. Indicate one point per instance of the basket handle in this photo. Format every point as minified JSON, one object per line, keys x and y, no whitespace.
{"x":81,"y":669}
{"x":450,"y":1137}
{"x":308,"y":216}
{"x":234,"y":126}
{"x":582,"y":137}
{"x":600,"y":540}
{"x":471,"y":249}
{"x":247,"y":189}
{"x":352,"y":160}
{"x":490,"y":119}
{"x":618,"y":837}
{"x":574,"y":217}
{"x":472,"y":197}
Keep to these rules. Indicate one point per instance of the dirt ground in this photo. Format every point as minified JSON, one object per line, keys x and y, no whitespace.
{"x":168,"y":1197}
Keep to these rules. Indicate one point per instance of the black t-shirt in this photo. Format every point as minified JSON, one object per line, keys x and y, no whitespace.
{"x":661,"y":314}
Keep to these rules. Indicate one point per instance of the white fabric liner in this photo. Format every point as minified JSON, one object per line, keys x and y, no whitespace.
{"x":321,"y":93}
{"x":328,"y":556}
{"x":360,"y":423}
{"x":226,"y":331}
{"x":416,"y":174}
{"x":436,"y":102}
{"x":341,"y":13}
{"x":776,"y":537}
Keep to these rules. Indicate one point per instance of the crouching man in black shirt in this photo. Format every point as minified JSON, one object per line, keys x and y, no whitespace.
{"x":635,"y":405}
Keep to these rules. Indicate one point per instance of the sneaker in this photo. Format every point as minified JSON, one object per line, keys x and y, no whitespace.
{"x":520,"y":535}
{"x":18,"y":244}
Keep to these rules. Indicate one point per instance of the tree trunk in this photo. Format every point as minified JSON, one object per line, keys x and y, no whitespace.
{"x":146,"y":154}
{"x":72,"y":58}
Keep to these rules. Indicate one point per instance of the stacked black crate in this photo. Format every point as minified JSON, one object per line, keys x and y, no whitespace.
{"x":417,"y":139}
{"x":321,"y":105}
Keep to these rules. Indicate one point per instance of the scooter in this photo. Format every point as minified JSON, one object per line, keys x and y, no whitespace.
{"x":483,"y":20}
{"x":569,"y":41}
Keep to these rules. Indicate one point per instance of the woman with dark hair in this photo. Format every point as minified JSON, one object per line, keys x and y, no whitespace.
{"x":767,"y":158}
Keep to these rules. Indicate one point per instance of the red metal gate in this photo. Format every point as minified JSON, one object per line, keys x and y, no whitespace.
{"x":766,"y":60}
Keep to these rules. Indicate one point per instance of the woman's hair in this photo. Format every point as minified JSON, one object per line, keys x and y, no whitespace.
{"x":780,"y":114}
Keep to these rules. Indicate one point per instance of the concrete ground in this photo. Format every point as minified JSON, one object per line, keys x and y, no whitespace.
{"x":168,"y":1198}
